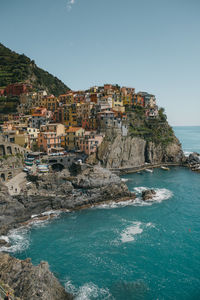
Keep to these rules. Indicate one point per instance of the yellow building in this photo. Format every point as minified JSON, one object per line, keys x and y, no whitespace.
{"x":51,"y":103}
{"x":117,"y":103}
{"x":66,"y":98}
{"x":21,"y":139}
{"x":127,"y":99}
{"x":69,"y":115}
{"x":69,"y":141}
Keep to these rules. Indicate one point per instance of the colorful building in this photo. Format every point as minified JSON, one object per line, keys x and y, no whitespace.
{"x":70,"y":139}
{"x":67,"y":98}
{"x":53,"y":127}
{"x":51,"y":103}
{"x":32,"y":136}
{"x":49,"y":142}
{"x":90,"y":142}
{"x":39,"y":117}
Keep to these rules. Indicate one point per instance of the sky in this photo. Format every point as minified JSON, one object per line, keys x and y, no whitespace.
{"x":151,"y":45}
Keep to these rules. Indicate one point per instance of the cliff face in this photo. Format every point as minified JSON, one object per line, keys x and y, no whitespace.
{"x":148,"y":140}
{"x":122,"y":152}
{"x":30,"y":282}
{"x":134,"y":151}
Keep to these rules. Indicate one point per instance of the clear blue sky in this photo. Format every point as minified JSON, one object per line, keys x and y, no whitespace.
{"x":152,"y":45}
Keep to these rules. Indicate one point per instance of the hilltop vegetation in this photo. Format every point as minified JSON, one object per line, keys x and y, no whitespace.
{"x":152,"y":130}
{"x":16,"y":67}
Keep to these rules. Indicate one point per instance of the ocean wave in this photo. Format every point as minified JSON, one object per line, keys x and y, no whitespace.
{"x":113,"y":204}
{"x":18,"y":239}
{"x":161,"y":194}
{"x":129,"y":233}
{"x":49,"y":213}
{"x":88,"y":291}
{"x":53,"y":212}
{"x":140,"y":189}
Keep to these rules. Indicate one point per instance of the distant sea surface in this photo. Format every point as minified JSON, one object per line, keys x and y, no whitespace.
{"x":189,"y":137}
{"x":132,"y":250}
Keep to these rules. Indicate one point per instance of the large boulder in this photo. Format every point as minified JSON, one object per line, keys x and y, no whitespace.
{"x":194,"y":158}
{"x":95,"y":177}
{"x":148,"y":194}
{"x":30,"y":282}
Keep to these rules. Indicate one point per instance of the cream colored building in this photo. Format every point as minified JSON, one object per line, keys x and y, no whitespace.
{"x":21,"y":139}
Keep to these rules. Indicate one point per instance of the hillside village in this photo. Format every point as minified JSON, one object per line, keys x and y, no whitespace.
{"x":75,"y":121}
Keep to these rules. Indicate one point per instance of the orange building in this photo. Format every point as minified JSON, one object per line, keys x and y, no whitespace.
{"x":49,"y":142}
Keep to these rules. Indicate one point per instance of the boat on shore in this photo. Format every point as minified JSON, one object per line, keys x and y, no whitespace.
{"x":149,"y":170}
{"x":165,"y":168}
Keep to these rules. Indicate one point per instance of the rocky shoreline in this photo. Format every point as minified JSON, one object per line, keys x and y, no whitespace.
{"x":62,"y":191}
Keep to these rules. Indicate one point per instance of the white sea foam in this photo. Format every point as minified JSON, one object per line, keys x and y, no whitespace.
{"x":129,"y":233}
{"x":113,"y":204}
{"x":140,"y":189}
{"x":124,"y":179}
{"x":5,"y":238}
{"x":90,"y":290}
{"x":70,"y":288}
{"x":34,"y":216}
{"x":53,"y":212}
{"x":18,"y":239}
{"x":161,"y":194}
{"x":187,"y":153}
{"x":87,"y":291}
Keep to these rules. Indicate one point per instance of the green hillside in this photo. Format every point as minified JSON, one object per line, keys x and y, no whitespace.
{"x":16,"y":67}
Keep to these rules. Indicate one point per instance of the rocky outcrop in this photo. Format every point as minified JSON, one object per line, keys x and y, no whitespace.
{"x":148,"y":194}
{"x":159,"y":153}
{"x":194,"y":158}
{"x":193,"y":161}
{"x":124,"y":152}
{"x":30,"y":282}
{"x":59,"y":191}
{"x":10,"y":210}
{"x":95,"y":177}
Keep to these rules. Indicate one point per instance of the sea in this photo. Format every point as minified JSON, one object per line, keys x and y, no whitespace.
{"x":129,"y":250}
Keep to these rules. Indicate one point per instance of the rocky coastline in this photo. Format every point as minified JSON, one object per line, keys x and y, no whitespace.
{"x":80,"y":187}
{"x":63,"y":191}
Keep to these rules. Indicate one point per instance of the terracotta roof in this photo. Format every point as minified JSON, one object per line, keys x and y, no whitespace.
{"x":74,"y":129}
{"x":38,"y":115}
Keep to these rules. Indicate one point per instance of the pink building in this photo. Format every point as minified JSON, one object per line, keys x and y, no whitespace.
{"x":49,"y":142}
{"x":90,"y":142}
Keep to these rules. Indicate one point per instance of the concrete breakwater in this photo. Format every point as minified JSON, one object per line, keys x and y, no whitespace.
{"x":121,"y":171}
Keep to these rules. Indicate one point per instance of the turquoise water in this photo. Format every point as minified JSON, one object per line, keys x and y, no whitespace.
{"x":131,"y":250}
{"x":189,"y":137}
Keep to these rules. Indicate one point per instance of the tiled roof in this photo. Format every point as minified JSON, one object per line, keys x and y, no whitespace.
{"x":74,"y":129}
